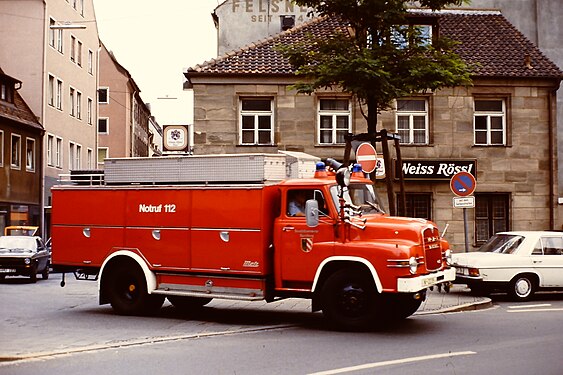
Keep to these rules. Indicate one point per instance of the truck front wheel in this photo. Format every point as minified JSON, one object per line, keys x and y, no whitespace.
{"x":349,"y":299}
{"x":127,"y":292}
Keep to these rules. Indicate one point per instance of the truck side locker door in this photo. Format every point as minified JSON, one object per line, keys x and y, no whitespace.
{"x":299,"y":248}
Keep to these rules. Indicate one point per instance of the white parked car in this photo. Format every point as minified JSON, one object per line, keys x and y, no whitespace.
{"x":519,"y":263}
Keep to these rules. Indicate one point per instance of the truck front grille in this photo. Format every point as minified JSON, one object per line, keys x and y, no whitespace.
{"x":432,"y":249}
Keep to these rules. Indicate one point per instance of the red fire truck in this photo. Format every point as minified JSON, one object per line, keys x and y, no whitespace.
{"x":191,"y":229}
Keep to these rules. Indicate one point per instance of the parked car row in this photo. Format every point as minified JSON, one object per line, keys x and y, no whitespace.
{"x":518,"y":263}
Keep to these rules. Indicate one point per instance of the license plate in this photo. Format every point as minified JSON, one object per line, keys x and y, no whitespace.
{"x":429,"y":281}
{"x":7,"y":270}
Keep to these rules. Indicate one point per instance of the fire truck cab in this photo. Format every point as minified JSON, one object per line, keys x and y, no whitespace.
{"x":324,"y":238}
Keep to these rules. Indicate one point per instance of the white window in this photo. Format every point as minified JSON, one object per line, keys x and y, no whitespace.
{"x":90,"y":61}
{"x":72,"y":48}
{"x":72,"y":101}
{"x":89,"y":109}
{"x":59,"y":95}
{"x":79,"y":53}
{"x":103,"y":95}
{"x":489,"y":122}
{"x":59,"y":153}
{"x":51,"y":33}
{"x":79,"y":105}
{"x":71,"y":155}
{"x":59,"y":40}
{"x":30,"y":155}
{"x":256,"y":121}
{"x":15,"y":161}
{"x":89,"y":154}
{"x":334,"y":121}
{"x":412,"y":121}
{"x":51,"y":91}
{"x":50,"y":150}
{"x":103,"y":153}
{"x":78,"y":157}
{"x":103,"y":125}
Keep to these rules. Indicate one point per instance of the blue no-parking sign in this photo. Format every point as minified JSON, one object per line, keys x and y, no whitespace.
{"x":463,"y":184}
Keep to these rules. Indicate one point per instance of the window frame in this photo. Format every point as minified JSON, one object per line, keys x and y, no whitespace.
{"x":106,"y":90}
{"x":489,"y":199}
{"x":256,"y":115}
{"x":334,"y":114}
{"x":51,"y":90}
{"x":89,"y":109}
{"x":59,"y":94}
{"x":1,"y":148}
{"x":58,"y":152}
{"x":489,"y":114}
{"x":410,"y":203}
{"x":106,"y":119}
{"x":72,"y":99}
{"x":50,"y":150}
{"x":411,"y":115}
{"x":30,"y":164}
{"x":17,"y":164}
{"x":101,"y":163}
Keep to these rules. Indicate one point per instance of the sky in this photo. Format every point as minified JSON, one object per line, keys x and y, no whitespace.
{"x":156,"y":41}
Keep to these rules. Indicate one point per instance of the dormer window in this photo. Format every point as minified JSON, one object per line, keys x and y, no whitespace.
{"x":7,"y":88}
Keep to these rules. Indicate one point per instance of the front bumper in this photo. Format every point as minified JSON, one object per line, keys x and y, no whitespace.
{"x":418,"y":283}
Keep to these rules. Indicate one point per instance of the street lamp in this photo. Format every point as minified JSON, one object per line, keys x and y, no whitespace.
{"x":67,"y":25}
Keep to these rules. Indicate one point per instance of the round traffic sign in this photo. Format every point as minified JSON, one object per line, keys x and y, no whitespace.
{"x":463,"y":184}
{"x":366,"y":157}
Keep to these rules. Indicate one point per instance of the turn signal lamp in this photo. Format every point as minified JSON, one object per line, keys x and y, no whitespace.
{"x":474,"y":272}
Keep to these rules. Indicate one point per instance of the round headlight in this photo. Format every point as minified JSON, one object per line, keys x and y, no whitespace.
{"x":27,"y":261}
{"x":413,"y":265}
{"x":448,"y":256}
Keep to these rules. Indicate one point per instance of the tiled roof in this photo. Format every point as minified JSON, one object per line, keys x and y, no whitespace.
{"x":18,"y":111}
{"x":486,"y":39}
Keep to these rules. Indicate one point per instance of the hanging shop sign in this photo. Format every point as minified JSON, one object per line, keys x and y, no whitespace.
{"x":175,"y":139}
{"x":425,"y":169}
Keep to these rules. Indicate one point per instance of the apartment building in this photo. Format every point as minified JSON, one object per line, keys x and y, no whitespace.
{"x":123,"y":121}
{"x":52,"y":47}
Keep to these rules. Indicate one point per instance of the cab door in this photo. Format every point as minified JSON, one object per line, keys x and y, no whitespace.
{"x":299,"y":248}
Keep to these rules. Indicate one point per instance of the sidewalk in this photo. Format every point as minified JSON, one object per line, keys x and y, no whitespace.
{"x":458,"y":299}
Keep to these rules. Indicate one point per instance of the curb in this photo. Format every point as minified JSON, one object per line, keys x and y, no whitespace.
{"x":485,"y":303}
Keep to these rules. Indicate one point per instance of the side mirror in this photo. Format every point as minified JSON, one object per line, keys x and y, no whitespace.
{"x":312,"y":213}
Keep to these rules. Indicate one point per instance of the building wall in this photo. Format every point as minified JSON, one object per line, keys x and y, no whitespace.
{"x":242,"y":22}
{"x":522,"y":169}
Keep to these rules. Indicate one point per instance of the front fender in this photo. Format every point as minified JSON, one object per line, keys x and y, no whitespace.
{"x":349,"y":259}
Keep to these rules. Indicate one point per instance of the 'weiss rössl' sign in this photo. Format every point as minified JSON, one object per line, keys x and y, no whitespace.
{"x":422,"y":169}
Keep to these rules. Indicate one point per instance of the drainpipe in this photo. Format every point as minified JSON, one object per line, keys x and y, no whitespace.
{"x":552,"y":158}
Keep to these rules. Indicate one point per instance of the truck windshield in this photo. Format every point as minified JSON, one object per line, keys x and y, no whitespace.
{"x":361,"y":195}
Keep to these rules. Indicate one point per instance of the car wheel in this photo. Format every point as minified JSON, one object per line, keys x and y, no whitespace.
{"x":33,"y":274}
{"x":522,"y":288}
{"x":127,"y":291}
{"x":45,"y":273}
{"x":349,"y":299}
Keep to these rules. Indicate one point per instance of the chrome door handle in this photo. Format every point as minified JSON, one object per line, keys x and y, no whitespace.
{"x":288,"y":228}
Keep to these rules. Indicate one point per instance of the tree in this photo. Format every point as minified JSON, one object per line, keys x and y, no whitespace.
{"x":380,"y":54}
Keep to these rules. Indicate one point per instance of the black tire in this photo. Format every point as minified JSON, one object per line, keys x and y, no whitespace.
{"x":188,"y":303}
{"x":349,"y":299}
{"x":522,"y":288}
{"x":127,"y":291}
{"x":33,"y":274}
{"x":45,"y":273}
{"x":400,"y":306}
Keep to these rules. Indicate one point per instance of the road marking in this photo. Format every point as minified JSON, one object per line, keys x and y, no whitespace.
{"x":392,"y":362}
{"x":535,"y":310}
{"x":530,"y":306}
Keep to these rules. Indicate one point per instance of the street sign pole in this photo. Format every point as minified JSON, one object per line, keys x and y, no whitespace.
{"x":463,"y":184}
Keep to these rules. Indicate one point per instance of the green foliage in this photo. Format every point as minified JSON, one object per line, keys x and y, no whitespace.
{"x":378,"y":57}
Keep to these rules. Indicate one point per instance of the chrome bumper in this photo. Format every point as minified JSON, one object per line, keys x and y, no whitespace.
{"x":416,"y":284}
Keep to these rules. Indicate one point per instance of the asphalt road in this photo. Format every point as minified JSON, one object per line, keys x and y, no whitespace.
{"x":65,"y":332}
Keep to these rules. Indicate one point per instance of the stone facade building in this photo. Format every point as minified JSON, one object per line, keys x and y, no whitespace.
{"x":502,"y":129}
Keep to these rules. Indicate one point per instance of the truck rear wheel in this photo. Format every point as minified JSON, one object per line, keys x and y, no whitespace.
{"x":188,"y":303}
{"x":350,"y":300}
{"x":127,"y":292}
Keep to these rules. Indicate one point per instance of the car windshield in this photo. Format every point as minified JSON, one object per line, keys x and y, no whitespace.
{"x":361,"y":195}
{"x":502,"y":244}
{"x":17,"y":242}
